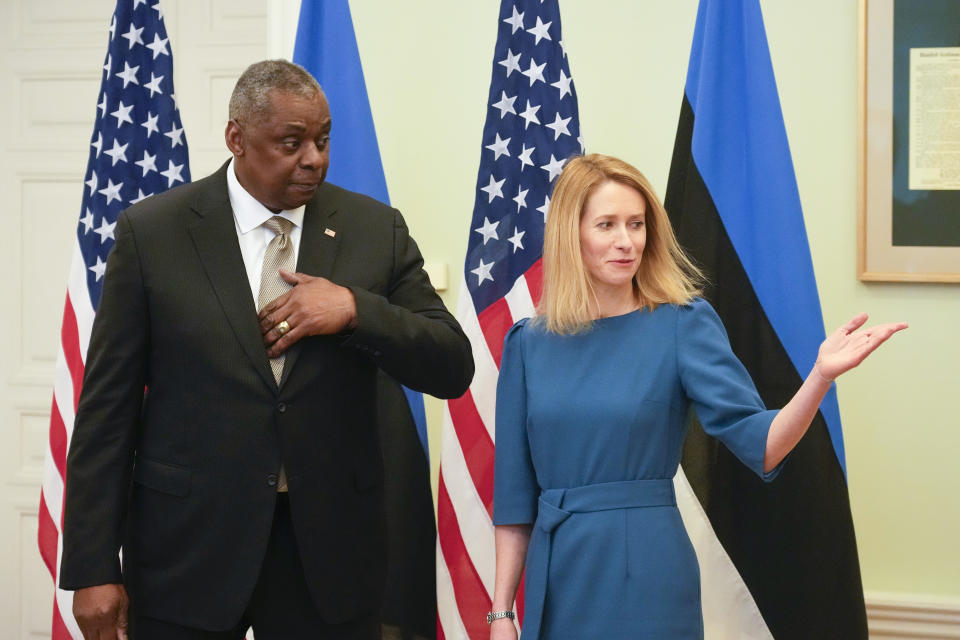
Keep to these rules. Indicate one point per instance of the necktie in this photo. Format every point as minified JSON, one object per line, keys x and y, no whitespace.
{"x":279,"y":255}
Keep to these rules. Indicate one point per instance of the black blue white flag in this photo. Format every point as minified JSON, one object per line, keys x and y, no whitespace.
{"x":734,"y":203}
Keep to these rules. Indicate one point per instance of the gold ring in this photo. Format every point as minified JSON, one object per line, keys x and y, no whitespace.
{"x":282,"y":327}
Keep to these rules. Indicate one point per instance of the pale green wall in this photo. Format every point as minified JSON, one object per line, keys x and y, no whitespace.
{"x":428,"y":67}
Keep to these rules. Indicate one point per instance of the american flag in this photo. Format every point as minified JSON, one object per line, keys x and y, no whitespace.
{"x":137,"y":149}
{"x":532,"y":129}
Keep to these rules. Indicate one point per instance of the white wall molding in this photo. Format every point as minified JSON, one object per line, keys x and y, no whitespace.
{"x":894,"y":616}
{"x":282,"y":19}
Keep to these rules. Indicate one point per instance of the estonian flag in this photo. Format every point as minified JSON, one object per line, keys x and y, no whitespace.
{"x":788,"y":564}
{"x":327,"y":47}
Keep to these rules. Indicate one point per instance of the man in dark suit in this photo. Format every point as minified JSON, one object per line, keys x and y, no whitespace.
{"x":229,"y":446}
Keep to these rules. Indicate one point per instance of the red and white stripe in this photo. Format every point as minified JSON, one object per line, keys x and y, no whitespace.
{"x":68,"y":376}
{"x":465,"y":549}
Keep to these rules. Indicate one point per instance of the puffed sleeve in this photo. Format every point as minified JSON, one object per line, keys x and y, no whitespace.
{"x":719,"y":387}
{"x":515,"y":489}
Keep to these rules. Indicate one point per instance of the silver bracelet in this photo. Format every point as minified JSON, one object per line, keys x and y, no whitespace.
{"x":496,"y":615}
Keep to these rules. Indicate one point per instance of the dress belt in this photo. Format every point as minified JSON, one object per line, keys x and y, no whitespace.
{"x":555,"y":506}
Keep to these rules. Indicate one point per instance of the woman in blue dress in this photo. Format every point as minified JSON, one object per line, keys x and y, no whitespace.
{"x":590,"y":420}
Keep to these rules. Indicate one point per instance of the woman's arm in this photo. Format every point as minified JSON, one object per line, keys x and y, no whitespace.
{"x":511,"y":543}
{"x":843,"y":350}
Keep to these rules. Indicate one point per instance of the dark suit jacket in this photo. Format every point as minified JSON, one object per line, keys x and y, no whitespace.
{"x":183,"y":475}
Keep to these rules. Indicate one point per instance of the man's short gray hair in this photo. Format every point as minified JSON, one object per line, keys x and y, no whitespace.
{"x":250,"y":100}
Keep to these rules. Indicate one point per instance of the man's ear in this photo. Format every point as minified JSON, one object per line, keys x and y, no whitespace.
{"x":233,"y":135}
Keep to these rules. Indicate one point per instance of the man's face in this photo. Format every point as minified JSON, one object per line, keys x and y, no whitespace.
{"x":282,"y":159}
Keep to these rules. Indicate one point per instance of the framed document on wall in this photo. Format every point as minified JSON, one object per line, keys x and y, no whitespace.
{"x":909,"y":195}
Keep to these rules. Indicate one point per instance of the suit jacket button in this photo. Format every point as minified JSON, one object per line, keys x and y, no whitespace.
{"x":281,"y":407}
{"x":272,"y":479}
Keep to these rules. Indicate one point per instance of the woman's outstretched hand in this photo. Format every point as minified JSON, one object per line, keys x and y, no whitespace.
{"x":847,"y":347}
{"x":843,"y":349}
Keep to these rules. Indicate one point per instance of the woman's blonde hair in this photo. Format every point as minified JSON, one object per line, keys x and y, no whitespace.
{"x":666,"y":274}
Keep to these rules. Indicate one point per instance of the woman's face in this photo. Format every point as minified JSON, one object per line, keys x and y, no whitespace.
{"x":613,"y":234}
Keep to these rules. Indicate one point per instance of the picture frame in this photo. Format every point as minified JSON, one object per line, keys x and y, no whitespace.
{"x":908,"y":196}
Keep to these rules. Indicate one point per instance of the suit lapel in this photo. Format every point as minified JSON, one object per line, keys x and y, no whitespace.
{"x":215,"y":237}
{"x":320,"y":239}
{"x":319,"y":244}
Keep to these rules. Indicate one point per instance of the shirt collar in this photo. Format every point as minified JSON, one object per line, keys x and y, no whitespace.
{"x":248,"y":211}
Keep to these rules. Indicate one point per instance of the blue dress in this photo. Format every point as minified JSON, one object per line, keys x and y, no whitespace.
{"x":589,"y":435}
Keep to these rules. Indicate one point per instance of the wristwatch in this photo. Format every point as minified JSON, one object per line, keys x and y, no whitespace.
{"x":496,"y":615}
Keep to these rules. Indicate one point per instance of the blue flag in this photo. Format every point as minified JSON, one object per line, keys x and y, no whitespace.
{"x":733,"y":94}
{"x":327,"y":47}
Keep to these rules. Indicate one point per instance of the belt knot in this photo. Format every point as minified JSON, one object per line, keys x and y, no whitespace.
{"x":555,"y":506}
